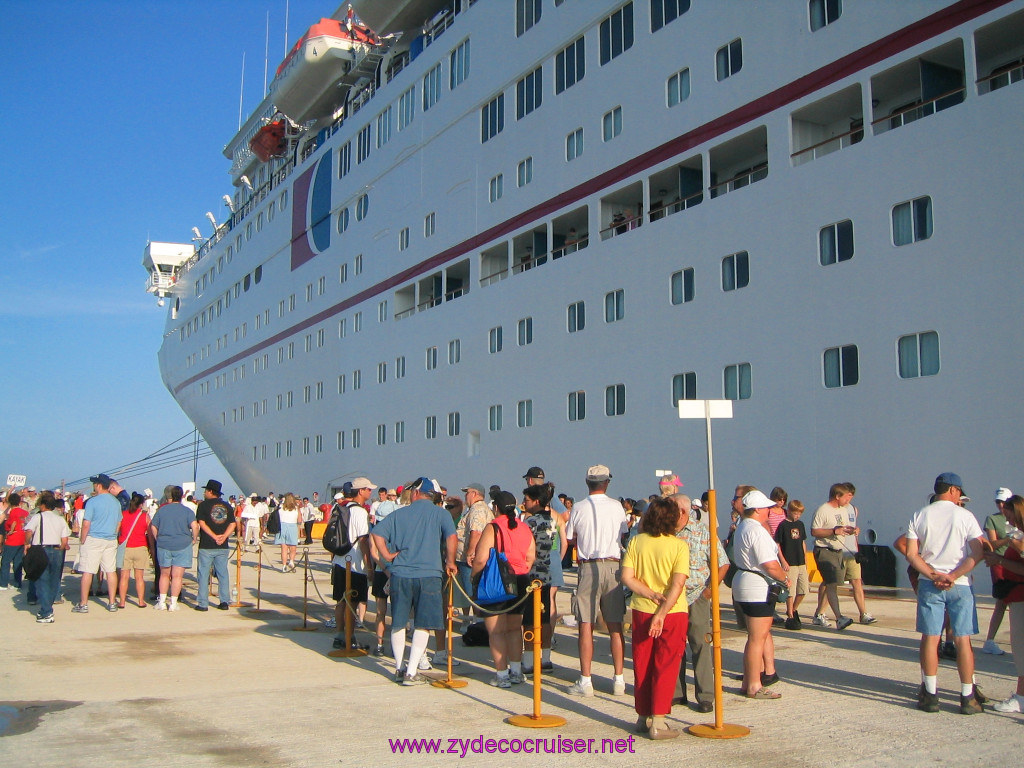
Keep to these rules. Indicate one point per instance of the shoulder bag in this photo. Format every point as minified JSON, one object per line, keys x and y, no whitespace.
{"x":36,"y":561}
{"x":496,"y":583}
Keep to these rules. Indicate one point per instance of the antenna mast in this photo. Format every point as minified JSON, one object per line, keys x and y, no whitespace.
{"x":241,"y":90}
{"x":266,"y":55}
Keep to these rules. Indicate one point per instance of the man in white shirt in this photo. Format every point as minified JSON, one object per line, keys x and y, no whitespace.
{"x":358,"y":533}
{"x":597,"y":524}
{"x":944,"y":543}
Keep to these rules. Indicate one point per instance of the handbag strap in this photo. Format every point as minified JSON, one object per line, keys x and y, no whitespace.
{"x":41,"y":539}
{"x":499,"y":539}
{"x":131,"y":530}
{"x":769,"y":579}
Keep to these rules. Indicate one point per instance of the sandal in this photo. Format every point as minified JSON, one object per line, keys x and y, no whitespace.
{"x":763,"y":693}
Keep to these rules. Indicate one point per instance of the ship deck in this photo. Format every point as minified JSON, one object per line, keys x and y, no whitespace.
{"x":140,"y":688}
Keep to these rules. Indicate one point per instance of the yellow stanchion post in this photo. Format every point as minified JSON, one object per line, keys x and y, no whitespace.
{"x":720,"y":729}
{"x":449,"y":681}
{"x":350,"y":650}
{"x":259,"y":580}
{"x":237,"y":601}
{"x":536,"y":720}
{"x":304,"y":627}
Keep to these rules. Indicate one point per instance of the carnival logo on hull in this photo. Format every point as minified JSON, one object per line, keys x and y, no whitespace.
{"x":311,"y":212}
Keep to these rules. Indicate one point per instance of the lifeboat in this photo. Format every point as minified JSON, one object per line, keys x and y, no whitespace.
{"x":269,"y":141}
{"x":306,"y":83}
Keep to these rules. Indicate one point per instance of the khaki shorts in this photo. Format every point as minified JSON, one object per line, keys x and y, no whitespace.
{"x":830,"y":565}
{"x":135,"y":558}
{"x":97,"y":554}
{"x":798,"y":583}
{"x":852,"y":567}
{"x":599,"y":588}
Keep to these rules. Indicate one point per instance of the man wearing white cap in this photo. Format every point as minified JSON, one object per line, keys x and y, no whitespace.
{"x":597,"y":523}
{"x":998,"y":532}
{"x":353,"y":509}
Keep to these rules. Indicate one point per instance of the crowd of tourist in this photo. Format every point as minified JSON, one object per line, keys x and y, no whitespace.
{"x":411,"y":546}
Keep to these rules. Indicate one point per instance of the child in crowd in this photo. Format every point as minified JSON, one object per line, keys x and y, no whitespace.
{"x":790,"y":536}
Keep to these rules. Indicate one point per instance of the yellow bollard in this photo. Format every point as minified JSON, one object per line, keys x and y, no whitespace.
{"x":305,"y":595}
{"x":349,"y":650}
{"x":720,"y":730}
{"x":449,"y":681}
{"x":536,"y":720}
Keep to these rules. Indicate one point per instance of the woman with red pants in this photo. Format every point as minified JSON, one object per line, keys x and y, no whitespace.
{"x":655,"y":568}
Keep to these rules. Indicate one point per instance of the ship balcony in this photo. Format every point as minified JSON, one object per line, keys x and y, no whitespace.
{"x":622,"y":211}
{"x":918,"y":88}
{"x":676,"y":189}
{"x":740,"y":162}
{"x":569,"y":233}
{"x":999,"y":53}
{"x":828,"y":125}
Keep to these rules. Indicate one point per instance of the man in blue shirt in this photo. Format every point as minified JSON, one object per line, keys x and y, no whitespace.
{"x":98,"y":541}
{"x":410,"y":540}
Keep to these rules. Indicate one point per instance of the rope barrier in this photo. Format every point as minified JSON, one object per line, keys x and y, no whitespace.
{"x":491,"y":610}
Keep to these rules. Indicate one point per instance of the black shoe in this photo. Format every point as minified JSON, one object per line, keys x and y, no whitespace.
{"x":980,"y":697}
{"x":705,"y":706}
{"x":679,"y":701}
{"x":778,"y":621}
{"x":927,"y":702}
{"x":201,"y":607}
{"x":223,"y":607}
{"x":793,"y":623}
{"x":339,"y":642}
{"x":948,"y":651}
{"x":969,"y":705}
{"x":767,"y":680}
{"x":378,"y":651}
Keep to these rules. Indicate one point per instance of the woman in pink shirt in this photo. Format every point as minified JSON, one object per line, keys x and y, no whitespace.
{"x":504,"y":631}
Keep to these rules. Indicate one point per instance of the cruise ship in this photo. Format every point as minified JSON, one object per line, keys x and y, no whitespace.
{"x":465,"y":237}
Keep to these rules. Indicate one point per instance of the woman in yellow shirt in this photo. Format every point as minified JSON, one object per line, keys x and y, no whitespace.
{"x":655,"y":568}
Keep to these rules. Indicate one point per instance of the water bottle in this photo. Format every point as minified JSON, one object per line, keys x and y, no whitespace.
{"x":234,"y":594}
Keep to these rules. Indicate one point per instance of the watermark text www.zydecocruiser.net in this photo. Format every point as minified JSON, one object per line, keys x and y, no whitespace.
{"x":557,"y":745}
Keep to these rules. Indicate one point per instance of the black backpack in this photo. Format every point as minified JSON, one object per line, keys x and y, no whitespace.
{"x":274,"y":522}
{"x":336,"y":539}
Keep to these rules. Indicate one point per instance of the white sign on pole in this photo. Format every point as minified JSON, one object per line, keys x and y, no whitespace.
{"x":16,"y":480}
{"x":695,"y":409}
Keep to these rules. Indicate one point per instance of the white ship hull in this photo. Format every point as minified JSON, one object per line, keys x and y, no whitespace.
{"x":890,"y":433}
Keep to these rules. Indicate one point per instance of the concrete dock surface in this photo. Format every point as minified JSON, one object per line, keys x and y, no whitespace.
{"x":240,"y":688}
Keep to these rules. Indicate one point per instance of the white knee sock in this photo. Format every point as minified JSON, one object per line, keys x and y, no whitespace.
{"x":398,"y":646}
{"x":420,"y":638}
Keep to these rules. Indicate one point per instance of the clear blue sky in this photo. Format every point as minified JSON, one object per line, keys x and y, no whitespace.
{"x":115,"y":117}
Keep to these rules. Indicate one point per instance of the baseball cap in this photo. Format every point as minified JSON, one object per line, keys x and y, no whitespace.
{"x":102,"y":479}
{"x":950,"y":478}
{"x":757,"y":500}
{"x":474,"y":487}
{"x":339,"y":496}
{"x":535,"y":473}
{"x":425,"y":485}
{"x":504,"y":501}
{"x":362,"y":482}
{"x":599,"y":472}
{"x":1002,"y":494}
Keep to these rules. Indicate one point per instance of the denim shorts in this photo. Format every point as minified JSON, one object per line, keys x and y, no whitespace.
{"x":178,"y":558}
{"x":933,"y":603}
{"x":420,"y":597}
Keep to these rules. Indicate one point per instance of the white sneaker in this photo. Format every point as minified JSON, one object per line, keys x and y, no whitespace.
{"x":516,"y":678}
{"x":992,"y":647}
{"x":1013,"y":704}
{"x":619,"y":687}
{"x":159,"y":606}
{"x":172,"y":606}
{"x":821,"y":621}
{"x":867,"y":618}
{"x":441,"y":659}
{"x":500,"y":681}
{"x":424,"y":664}
{"x":580,"y":689}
